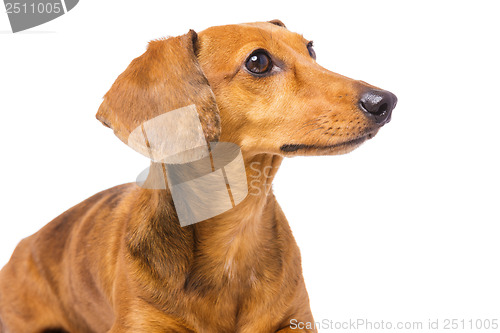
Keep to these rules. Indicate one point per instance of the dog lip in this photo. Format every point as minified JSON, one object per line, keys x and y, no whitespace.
{"x":290,"y":148}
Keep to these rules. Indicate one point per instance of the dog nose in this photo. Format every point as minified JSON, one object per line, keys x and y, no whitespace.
{"x":379,"y":104}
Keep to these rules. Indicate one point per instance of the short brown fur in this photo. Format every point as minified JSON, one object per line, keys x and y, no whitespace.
{"x":120,"y":261}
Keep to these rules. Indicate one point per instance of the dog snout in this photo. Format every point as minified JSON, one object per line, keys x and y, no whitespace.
{"x":378,"y":104}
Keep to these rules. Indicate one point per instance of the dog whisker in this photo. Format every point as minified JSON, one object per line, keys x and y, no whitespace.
{"x":318,"y":128}
{"x":305,"y":125}
{"x":313,"y":120}
{"x":319,"y":138}
{"x":331,"y":136}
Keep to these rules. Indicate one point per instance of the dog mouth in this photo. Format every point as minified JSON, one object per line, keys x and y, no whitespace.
{"x":291,"y":148}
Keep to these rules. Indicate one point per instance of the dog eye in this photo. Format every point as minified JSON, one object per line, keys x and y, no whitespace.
{"x":310,"y":48}
{"x":259,"y":62}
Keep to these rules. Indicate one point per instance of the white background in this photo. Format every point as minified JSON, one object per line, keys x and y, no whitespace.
{"x":404,"y":228}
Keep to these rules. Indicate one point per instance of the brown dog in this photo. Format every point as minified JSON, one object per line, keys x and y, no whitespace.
{"x":120,"y":261}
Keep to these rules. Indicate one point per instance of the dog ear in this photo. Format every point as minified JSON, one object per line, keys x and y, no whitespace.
{"x":278,"y":23}
{"x":166,"y":77}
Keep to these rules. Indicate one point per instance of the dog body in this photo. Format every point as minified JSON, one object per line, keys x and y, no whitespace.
{"x":120,"y":261}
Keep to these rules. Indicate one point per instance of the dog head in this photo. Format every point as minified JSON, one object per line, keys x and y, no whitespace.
{"x":257,"y":85}
{"x":275,"y":98}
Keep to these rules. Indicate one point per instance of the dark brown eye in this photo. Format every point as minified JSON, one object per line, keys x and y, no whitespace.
{"x":311,"y":50}
{"x":259,"y":62}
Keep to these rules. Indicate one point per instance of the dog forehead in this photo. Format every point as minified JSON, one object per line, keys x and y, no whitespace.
{"x":226,"y":37}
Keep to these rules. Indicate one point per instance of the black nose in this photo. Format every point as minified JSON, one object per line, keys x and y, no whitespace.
{"x":379,"y":104}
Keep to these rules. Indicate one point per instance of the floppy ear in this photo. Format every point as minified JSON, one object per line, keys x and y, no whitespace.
{"x":166,"y":77}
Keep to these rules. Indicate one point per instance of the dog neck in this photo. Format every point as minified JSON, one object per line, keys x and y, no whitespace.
{"x":237,"y":245}
{"x":233,"y":244}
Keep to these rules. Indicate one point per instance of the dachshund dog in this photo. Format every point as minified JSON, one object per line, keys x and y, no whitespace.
{"x":121,"y":262}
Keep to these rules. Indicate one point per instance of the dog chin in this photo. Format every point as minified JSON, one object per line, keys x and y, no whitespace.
{"x":290,"y":150}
